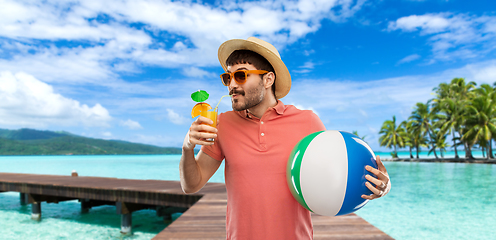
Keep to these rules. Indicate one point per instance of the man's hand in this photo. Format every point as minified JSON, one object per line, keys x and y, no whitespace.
{"x":382,"y":183}
{"x":199,"y":132}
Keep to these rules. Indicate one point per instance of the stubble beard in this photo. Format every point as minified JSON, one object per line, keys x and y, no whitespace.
{"x":252,"y":98}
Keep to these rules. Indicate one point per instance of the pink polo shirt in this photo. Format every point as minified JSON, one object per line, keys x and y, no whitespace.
{"x":259,"y":203}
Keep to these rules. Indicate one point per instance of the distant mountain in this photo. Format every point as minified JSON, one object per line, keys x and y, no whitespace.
{"x":29,"y":134}
{"x":34,"y":142}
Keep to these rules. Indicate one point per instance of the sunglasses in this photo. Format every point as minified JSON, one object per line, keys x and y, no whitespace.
{"x":239,"y":76}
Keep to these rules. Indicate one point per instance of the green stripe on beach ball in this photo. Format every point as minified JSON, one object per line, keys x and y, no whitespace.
{"x":294,"y":165}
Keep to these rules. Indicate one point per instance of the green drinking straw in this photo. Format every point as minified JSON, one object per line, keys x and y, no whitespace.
{"x":215,"y":109}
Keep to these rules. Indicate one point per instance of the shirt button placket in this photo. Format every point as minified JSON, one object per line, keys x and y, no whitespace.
{"x":262,"y":135}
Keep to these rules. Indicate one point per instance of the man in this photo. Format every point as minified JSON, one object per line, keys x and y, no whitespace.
{"x":256,"y":139}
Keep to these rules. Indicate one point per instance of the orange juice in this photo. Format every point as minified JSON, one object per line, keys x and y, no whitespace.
{"x":212,"y":115}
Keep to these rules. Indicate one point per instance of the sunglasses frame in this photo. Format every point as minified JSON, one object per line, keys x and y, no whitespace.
{"x":246,"y":72}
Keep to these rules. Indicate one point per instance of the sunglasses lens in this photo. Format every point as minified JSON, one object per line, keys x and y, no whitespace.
{"x":226,"y":78}
{"x":240,"y":77}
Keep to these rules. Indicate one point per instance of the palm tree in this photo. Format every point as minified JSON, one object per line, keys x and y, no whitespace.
{"x":416,"y":140}
{"x":438,"y":142}
{"x":462,"y":93}
{"x":489,"y":93}
{"x":421,"y":123}
{"x":481,"y":122}
{"x":451,"y":102}
{"x":448,"y":119}
{"x":393,"y":136}
{"x":410,"y":143}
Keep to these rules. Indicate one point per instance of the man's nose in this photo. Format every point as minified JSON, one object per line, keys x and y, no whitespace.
{"x":233,"y":84}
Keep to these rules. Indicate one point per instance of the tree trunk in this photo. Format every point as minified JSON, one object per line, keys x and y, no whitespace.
{"x":468,"y":151}
{"x":411,"y":155}
{"x":435,"y":154}
{"x":454,"y":145}
{"x":417,"y":151}
{"x":395,"y":153}
{"x":490,"y":149}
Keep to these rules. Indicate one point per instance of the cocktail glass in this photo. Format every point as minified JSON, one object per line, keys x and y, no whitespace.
{"x":205,"y":110}
{"x":212,"y":115}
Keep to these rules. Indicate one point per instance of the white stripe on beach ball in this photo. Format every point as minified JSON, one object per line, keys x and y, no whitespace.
{"x":314,"y":173}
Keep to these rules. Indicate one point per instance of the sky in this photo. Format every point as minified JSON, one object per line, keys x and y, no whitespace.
{"x":125,"y":69}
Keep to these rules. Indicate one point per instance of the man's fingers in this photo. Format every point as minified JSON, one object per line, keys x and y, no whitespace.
{"x":377,"y":182}
{"x":379,"y":174}
{"x":374,"y":190}
{"x":202,"y":128}
{"x":200,"y":141}
{"x":369,"y":197}
{"x":205,"y":120}
{"x":199,"y":133}
{"x":380,"y":165}
{"x":195,"y":135}
{"x":380,"y":182}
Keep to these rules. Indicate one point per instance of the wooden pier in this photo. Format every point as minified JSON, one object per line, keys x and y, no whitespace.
{"x":204,"y":214}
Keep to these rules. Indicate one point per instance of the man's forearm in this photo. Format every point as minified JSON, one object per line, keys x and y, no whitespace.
{"x":189,"y":171}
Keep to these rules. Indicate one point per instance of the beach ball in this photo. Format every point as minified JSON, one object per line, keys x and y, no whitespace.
{"x":326,"y":172}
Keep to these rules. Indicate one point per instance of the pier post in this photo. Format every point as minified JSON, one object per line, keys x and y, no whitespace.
{"x":85,"y":205}
{"x":36,"y":211}
{"x":24,"y":199}
{"x":126,"y":211}
{"x":126,"y":223}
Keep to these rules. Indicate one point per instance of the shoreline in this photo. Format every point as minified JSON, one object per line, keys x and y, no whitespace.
{"x":442,"y":160}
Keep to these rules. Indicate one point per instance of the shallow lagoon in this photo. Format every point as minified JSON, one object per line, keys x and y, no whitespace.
{"x":428,"y":200}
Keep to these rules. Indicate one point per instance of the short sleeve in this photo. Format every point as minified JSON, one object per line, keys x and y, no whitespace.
{"x":314,"y":122}
{"x":213,"y":151}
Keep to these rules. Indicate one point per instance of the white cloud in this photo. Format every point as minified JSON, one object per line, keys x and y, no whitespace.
{"x":409,"y":58}
{"x":194,"y":32}
{"x":306,"y":68}
{"x":452,"y":36}
{"x":175,"y":118}
{"x":133,"y":125}
{"x":196,"y":72}
{"x":62,"y":65}
{"x":428,"y":23}
{"x":27,"y":101}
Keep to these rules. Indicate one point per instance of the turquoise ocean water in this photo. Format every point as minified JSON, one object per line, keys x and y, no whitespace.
{"x":427,"y":201}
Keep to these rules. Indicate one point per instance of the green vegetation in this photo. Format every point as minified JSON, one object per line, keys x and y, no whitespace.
{"x":393,"y":136}
{"x":460,"y":110}
{"x":34,"y":142}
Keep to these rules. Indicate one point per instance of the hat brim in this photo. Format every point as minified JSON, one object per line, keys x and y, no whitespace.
{"x":283,"y":78}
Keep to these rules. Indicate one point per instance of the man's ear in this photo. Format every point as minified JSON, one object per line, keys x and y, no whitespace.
{"x":269,"y":79}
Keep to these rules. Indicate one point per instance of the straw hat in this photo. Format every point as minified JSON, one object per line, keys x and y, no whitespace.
{"x":266,"y":50}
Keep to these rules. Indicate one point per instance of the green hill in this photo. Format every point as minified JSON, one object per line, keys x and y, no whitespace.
{"x":29,"y":134}
{"x":35,"y":142}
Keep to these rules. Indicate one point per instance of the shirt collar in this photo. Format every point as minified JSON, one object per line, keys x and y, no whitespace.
{"x":279,"y":108}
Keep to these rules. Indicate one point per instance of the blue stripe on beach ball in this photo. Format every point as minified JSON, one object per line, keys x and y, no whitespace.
{"x":359,"y":156}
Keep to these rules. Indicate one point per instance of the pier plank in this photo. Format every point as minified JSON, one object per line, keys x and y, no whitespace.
{"x":207,"y":220}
